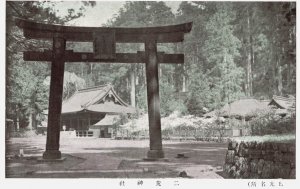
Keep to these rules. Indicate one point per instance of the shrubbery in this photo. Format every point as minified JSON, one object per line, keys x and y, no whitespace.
{"x":23,"y":133}
{"x":268,"y":122}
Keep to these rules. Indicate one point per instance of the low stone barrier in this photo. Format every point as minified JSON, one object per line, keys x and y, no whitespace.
{"x":263,"y":160}
{"x":212,"y":139}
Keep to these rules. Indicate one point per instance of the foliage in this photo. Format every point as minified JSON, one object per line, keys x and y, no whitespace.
{"x":168,"y":101}
{"x":222,"y":49}
{"x":137,"y":14}
{"x":217,"y":33}
{"x":267,"y":138}
{"x":26,"y":93}
{"x":234,"y":49}
{"x":217,"y":127}
{"x":72,"y":83}
{"x":140,"y":14}
{"x":268,"y":122}
{"x":174,"y":120}
{"x":24,"y":133}
{"x":201,"y":96}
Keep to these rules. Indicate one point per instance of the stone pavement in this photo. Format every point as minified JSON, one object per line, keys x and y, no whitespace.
{"x":115,"y":159}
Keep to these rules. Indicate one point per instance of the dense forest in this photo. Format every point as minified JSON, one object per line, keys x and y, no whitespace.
{"x":235,"y":49}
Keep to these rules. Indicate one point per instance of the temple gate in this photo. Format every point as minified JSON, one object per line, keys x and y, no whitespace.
{"x":104,"y":40}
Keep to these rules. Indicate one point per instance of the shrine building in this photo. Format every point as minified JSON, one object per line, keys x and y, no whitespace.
{"x":91,"y":112}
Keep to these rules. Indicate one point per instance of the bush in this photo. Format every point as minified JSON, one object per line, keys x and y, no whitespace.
{"x":268,"y":122}
{"x":24,"y":133}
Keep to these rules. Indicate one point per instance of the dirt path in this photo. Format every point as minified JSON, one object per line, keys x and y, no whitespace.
{"x":105,"y":158}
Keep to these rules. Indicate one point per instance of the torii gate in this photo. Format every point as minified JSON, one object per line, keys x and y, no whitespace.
{"x":104,"y":40}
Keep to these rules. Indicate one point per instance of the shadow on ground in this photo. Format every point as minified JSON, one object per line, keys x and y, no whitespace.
{"x":100,"y":160}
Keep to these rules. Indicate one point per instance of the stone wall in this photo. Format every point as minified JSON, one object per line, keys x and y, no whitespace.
{"x":260,"y":160}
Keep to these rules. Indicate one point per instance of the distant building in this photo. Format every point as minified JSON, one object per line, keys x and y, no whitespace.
{"x":245,"y":109}
{"x":283,"y":105}
{"x":105,"y":127}
{"x":239,"y":109}
{"x":92,"y":112}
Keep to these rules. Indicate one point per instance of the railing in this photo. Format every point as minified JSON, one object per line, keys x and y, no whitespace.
{"x":84,"y":133}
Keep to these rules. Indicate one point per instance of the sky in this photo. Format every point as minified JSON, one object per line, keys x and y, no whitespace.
{"x":101,"y":13}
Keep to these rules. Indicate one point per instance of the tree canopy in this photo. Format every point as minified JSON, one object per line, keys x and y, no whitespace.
{"x":235,"y":49}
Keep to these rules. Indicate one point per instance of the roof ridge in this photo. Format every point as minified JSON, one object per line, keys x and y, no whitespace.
{"x":281,"y":98}
{"x":94,"y":88}
{"x":92,"y":101}
{"x":246,"y":97}
{"x":119,"y":98}
{"x":263,"y":100}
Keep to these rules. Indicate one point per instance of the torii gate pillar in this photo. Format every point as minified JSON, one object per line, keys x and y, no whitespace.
{"x":155,"y":151}
{"x":55,"y":99}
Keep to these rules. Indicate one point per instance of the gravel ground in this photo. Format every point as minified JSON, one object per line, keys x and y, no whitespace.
{"x":106,"y":158}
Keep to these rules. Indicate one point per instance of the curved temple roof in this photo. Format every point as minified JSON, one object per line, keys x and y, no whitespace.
{"x":96,"y":100}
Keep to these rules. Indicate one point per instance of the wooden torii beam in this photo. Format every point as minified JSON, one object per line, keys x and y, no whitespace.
{"x":104,"y":40}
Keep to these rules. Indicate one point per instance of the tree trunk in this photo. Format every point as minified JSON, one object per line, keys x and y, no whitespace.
{"x":160,"y":71}
{"x":289,"y":78}
{"x":249,"y":55}
{"x":18,"y":124}
{"x":246,"y":66}
{"x":251,"y":64}
{"x":34,"y":121}
{"x":183,"y":83}
{"x":177,"y":78}
{"x":17,"y":120}
{"x":82,"y":68}
{"x":248,"y":71}
{"x":178,"y":71}
{"x":292,"y":60}
{"x":30,"y":122}
{"x":132,"y":83}
{"x":279,"y":80}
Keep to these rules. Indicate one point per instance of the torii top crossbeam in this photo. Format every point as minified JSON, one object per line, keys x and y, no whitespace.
{"x":104,"y":40}
{"x":163,"y":34}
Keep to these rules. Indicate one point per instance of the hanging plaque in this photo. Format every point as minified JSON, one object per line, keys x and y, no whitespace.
{"x":104,"y":45}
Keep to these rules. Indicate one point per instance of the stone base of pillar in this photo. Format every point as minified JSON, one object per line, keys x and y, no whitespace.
{"x":155,"y":154}
{"x":52,"y":154}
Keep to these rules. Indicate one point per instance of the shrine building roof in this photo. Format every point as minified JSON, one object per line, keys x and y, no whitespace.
{"x":102,"y":99}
